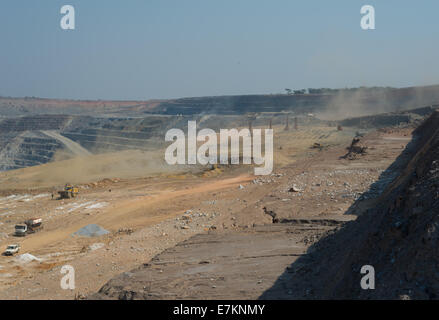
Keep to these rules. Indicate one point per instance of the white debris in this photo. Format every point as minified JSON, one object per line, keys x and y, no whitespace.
{"x":96,"y":246}
{"x":9,"y":213}
{"x":27,"y":257}
{"x":76,"y":206}
{"x":14,"y":197}
{"x":41,"y":195}
{"x":97,"y":205}
{"x":6,"y":275}
{"x":295,"y":188}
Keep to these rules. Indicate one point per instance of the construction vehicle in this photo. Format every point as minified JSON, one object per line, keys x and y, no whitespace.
{"x":68,"y":192}
{"x":29,"y":226}
{"x":12,"y":249}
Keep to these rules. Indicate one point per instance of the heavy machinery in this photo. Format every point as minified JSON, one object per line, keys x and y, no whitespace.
{"x":68,"y":192}
{"x":29,"y":226}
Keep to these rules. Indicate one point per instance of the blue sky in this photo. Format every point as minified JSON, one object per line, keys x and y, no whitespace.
{"x":146,"y":49}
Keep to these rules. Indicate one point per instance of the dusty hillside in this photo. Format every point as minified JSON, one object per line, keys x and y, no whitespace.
{"x":12,"y":107}
{"x":85,"y":169}
{"x":33,"y":130}
{"x":335,"y":104}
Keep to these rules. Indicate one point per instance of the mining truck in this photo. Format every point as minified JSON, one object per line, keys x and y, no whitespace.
{"x":29,"y":226}
{"x":68,"y":192}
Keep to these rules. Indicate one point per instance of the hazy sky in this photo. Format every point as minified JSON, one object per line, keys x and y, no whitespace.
{"x":145,"y":49}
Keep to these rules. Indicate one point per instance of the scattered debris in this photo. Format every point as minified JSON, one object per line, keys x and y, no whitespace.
{"x":125,"y":231}
{"x":96,"y":246}
{"x":317,"y":145}
{"x":294,"y":188}
{"x":356,"y":148}
{"x":26,"y":258}
{"x":97,"y":205}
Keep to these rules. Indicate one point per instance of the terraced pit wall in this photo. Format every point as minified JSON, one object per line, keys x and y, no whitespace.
{"x":22,"y":144}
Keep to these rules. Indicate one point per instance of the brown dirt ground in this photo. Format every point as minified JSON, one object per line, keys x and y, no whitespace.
{"x":146,"y":216}
{"x":244,"y":262}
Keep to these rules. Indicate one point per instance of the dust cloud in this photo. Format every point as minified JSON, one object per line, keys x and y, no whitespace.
{"x":122,"y":164}
{"x":350,"y":103}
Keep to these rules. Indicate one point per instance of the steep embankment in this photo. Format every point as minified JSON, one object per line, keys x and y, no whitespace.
{"x":399,"y":237}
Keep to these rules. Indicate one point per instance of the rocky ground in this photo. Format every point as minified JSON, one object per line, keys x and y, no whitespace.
{"x":398,"y":237}
{"x":304,"y":202}
{"x":220,"y":233}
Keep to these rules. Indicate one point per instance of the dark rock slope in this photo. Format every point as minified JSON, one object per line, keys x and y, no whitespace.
{"x":399,"y":237}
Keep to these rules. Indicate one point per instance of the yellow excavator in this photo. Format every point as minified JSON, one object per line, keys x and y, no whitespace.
{"x":68,"y":192}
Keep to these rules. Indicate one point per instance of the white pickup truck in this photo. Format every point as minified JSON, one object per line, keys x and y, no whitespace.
{"x":12,"y":249}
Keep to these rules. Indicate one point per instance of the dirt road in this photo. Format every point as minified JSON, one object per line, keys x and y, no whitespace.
{"x":129,"y":207}
{"x":71,"y":145}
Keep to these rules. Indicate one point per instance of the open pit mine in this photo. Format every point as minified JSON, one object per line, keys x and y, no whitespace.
{"x":354,"y":183}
